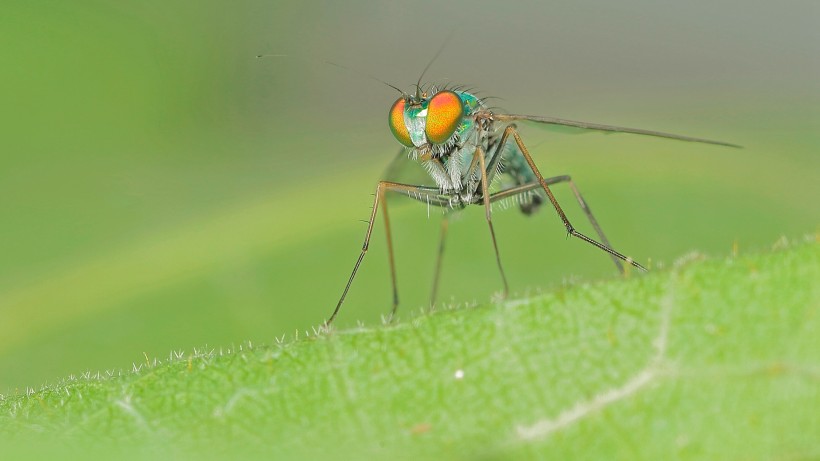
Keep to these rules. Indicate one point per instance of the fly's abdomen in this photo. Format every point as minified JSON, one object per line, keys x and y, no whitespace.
{"x":516,"y":168}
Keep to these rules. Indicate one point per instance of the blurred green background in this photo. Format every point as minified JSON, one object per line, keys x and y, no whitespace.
{"x":162,"y":189}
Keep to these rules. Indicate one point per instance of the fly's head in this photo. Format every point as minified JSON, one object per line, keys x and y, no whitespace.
{"x":432,"y":124}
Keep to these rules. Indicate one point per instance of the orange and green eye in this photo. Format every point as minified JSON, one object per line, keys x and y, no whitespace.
{"x":444,"y":113}
{"x":396,"y":121}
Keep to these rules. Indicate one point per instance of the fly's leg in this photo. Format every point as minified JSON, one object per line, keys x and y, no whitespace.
{"x":510,"y":130}
{"x":437,"y":271}
{"x":390,"y":257}
{"x":581,"y":202}
{"x":488,"y":213}
{"x":381,"y":190}
{"x":587,"y":211}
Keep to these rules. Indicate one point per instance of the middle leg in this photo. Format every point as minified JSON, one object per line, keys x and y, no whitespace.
{"x":510,"y":130}
{"x":525,"y":188}
{"x":479,"y":152}
{"x":439,"y":256}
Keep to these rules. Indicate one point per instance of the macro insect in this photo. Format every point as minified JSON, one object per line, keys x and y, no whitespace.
{"x":465,"y":147}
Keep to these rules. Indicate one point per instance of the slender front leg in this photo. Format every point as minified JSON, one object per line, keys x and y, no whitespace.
{"x":488,"y":213}
{"x":511,"y":130}
{"x":445,"y":222}
{"x":382,"y":188}
{"x":390,"y":257}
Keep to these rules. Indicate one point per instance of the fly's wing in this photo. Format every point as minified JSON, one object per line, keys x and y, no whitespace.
{"x":402,"y":169}
{"x":572,"y":126}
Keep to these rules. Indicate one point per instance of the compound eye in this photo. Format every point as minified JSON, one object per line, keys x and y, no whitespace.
{"x":444,"y":113}
{"x":396,"y":121}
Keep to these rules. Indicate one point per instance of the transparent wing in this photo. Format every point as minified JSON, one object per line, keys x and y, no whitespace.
{"x":572,"y":126}
{"x":403,"y":169}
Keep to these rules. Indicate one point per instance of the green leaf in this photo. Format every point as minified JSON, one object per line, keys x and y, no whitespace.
{"x":708,"y":360}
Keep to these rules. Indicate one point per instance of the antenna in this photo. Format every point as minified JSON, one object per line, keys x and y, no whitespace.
{"x":438,"y":53}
